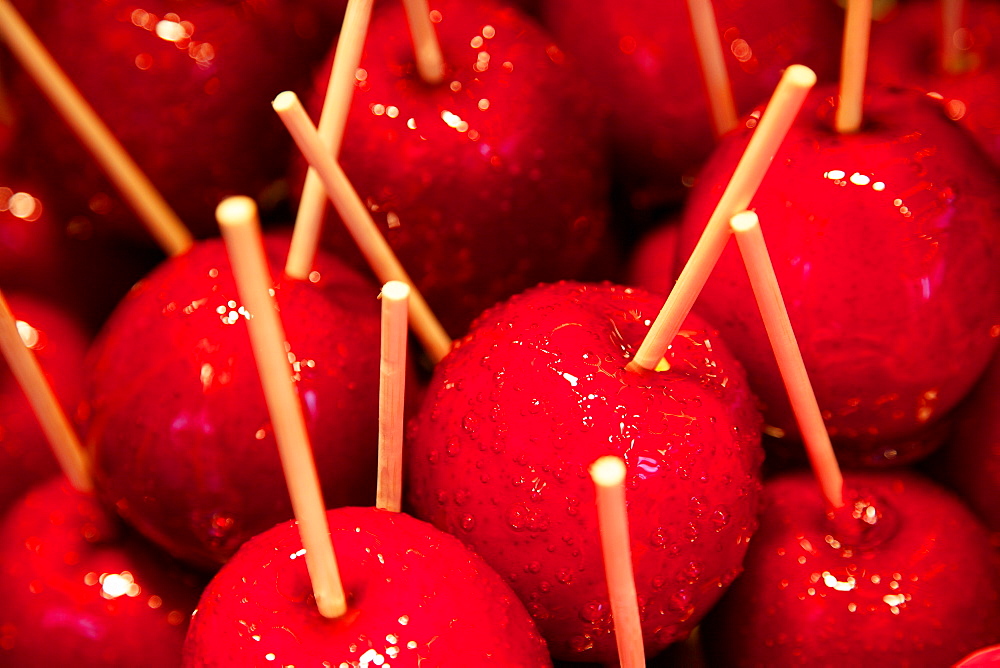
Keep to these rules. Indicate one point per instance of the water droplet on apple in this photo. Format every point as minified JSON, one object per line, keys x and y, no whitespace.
{"x":453,"y":447}
{"x":659,"y":537}
{"x":292,"y":583}
{"x":720,"y":518}
{"x":468,"y":522}
{"x":564,"y":575}
{"x":592,"y":611}
{"x":581,"y":643}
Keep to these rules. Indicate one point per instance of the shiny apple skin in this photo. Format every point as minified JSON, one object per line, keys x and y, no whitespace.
{"x":178,"y":429}
{"x":916,"y":584}
{"x":538,"y":390}
{"x":416,"y":597}
{"x":641,"y":56}
{"x":59,"y":344}
{"x":194,"y":113}
{"x":503,"y":182}
{"x":58,"y":607}
{"x":889,"y":276}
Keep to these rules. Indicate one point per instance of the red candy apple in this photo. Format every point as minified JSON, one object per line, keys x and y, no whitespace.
{"x":885,"y":245}
{"x":486,"y":183}
{"x":185,"y":86}
{"x":903,"y":575}
{"x":177,"y":427}
{"x":537,"y":391}
{"x":640,"y":55}
{"x":59,"y":344}
{"x":76,"y":589}
{"x":416,"y":597}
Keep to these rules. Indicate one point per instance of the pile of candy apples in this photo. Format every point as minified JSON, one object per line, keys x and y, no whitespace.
{"x":543,"y":196}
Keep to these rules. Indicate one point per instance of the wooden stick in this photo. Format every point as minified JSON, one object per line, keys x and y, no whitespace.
{"x":332,"y":120}
{"x":161,"y":221}
{"x":713,"y":66}
{"x":392,"y":387}
{"x":777,"y":118}
{"x":359,"y":222}
{"x":57,"y":428}
{"x":608,"y":474}
{"x":853,"y":65}
{"x":746,"y":225}
{"x":952,"y":58}
{"x":426,"y":48}
{"x":240,"y":227}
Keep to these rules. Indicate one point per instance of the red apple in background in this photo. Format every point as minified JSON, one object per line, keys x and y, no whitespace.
{"x":415,"y":595}
{"x":185,"y":86}
{"x":177,"y":427}
{"x":538,"y":390}
{"x":903,"y":575}
{"x":76,"y":589}
{"x":487,"y":183}
{"x":59,"y":343}
{"x":906,"y":50}
{"x":640,"y":55}
{"x":653,"y":263}
{"x":885,"y":245}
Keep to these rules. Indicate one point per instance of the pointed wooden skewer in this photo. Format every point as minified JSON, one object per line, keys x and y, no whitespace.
{"x":161,"y":221}
{"x":952,"y":58}
{"x":777,"y":118}
{"x":853,"y":65}
{"x":392,"y":386}
{"x":713,"y":66}
{"x":56,"y":426}
{"x":746,"y":227}
{"x":608,"y":474}
{"x":332,"y":120}
{"x":426,"y":48}
{"x":355,"y":214}
{"x":240,"y":227}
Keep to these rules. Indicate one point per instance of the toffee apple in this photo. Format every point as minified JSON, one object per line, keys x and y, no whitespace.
{"x":515,"y":414}
{"x":486,"y":183}
{"x":177,"y":426}
{"x":416,"y":596}
{"x":903,"y":574}
{"x":884,"y":243}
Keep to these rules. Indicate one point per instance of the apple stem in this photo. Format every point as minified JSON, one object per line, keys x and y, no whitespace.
{"x":392,"y":387}
{"x":853,"y":65}
{"x":332,"y":121}
{"x":713,"y":66}
{"x":608,"y":474}
{"x":426,"y":48}
{"x":750,"y":239}
{"x":359,"y":222}
{"x":952,"y":60}
{"x":777,"y":118}
{"x":240,"y":227}
{"x":57,"y":428}
{"x":161,"y":221}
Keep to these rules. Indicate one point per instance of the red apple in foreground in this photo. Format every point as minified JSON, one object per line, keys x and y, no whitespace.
{"x":521,"y":407}
{"x":484,"y":184}
{"x":416,"y":597}
{"x":77,"y":589}
{"x":885,"y":244}
{"x":180,"y":436}
{"x":903,"y":575}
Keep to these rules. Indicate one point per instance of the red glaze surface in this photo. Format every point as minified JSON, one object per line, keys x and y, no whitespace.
{"x":180,"y":435}
{"x":904,"y":576}
{"x":906,"y":49}
{"x":653,"y":262}
{"x":59,"y":344}
{"x":529,"y":399}
{"x":416,"y":597}
{"x":885,"y":245}
{"x":76,"y":589}
{"x":185,"y":86}
{"x":640,"y":55}
{"x":500,"y":183}
{"x":988,"y":656}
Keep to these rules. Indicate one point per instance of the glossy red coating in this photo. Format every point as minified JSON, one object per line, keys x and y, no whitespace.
{"x":177,"y":426}
{"x":416,"y":597}
{"x":884,"y":243}
{"x":537,"y":391}
{"x":78,"y":589}
{"x":905,"y":575}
